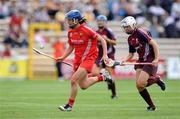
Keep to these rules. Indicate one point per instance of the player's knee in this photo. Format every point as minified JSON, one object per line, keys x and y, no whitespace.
{"x":82,"y":87}
{"x":140,"y":84}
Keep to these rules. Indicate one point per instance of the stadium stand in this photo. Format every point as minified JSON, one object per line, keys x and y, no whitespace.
{"x":169,"y":47}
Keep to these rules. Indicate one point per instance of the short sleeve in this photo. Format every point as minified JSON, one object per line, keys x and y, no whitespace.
{"x":131,"y":49}
{"x":144,"y":35}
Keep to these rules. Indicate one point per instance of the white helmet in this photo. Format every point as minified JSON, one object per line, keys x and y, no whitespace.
{"x":128,"y":21}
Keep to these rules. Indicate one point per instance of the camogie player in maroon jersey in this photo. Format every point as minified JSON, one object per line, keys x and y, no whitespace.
{"x":140,"y":41}
{"x":111,"y":41}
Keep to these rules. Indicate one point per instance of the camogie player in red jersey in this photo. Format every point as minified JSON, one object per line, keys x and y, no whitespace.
{"x":83,"y":41}
{"x":111,"y":41}
{"x":140,"y":41}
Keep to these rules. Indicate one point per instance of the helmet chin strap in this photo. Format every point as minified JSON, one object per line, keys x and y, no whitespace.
{"x":130,"y":32}
{"x":74,"y":24}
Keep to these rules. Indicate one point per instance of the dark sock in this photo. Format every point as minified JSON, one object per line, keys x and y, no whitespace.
{"x":152,"y":80}
{"x":145,"y":95}
{"x":113,"y":88}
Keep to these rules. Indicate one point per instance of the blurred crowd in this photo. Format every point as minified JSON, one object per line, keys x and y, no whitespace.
{"x":163,"y":16}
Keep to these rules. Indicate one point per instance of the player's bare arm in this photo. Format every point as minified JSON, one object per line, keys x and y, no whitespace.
{"x":110,"y":41}
{"x":156,"y":52}
{"x":104,"y":45}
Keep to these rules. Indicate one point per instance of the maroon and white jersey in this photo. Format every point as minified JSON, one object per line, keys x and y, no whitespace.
{"x":139,"y":42}
{"x":110,"y":48}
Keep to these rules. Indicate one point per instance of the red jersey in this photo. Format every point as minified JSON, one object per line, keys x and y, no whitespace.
{"x":84,"y":41}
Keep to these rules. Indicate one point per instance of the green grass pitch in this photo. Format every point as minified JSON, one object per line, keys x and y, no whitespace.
{"x":39,"y":99}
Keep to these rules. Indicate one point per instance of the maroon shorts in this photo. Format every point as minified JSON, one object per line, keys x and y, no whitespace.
{"x":150,"y":69}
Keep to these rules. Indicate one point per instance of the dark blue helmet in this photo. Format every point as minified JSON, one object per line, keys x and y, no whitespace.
{"x":74,"y":14}
{"x":101,"y":18}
